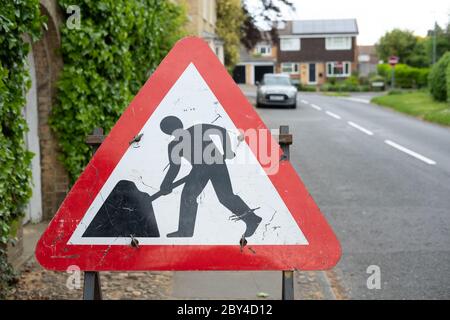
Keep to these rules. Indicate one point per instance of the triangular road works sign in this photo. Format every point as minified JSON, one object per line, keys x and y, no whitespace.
{"x":189,"y":178}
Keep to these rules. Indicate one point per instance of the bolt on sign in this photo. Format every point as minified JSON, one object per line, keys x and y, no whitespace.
{"x":189,"y":178}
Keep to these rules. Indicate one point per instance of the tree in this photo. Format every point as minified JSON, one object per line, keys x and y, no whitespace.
{"x":230,"y":17}
{"x":420,"y":56}
{"x":397,"y":42}
{"x":442,"y":42}
{"x":265,"y":14}
{"x":242,"y":23}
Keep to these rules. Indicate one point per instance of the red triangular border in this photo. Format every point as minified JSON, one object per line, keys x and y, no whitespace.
{"x":52,"y":250}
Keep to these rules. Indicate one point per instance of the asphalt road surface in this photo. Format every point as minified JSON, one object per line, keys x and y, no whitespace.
{"x":382,"y":179}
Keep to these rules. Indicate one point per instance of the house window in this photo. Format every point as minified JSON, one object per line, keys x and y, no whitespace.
{"x":290,"y":44}
{"x":263,"y":50}
{"x":338,"y":43}
{"x":338,"y":69}
{"x":289,"y":67}
{"x":363,"y":58}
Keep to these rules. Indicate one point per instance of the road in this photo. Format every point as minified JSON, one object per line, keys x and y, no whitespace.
{"x":382,"y":179}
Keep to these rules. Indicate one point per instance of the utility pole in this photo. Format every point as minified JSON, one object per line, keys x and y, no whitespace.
{"x":434,"y":42}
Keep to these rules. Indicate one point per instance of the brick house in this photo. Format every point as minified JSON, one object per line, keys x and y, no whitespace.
{"x":254,"y":63}
{"x":313,"y":50}
{"x":202,"y":17}
{"x":367,"y":60}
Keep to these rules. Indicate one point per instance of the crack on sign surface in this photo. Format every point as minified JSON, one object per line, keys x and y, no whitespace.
{"x":104,"y":255}
{"x":251,"y":250}
{"x":141,"y":180}
{"x":167,"y":165}
{"x":268,"y":224}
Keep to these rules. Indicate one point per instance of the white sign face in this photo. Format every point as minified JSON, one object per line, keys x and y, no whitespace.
{"x":216,"y":216}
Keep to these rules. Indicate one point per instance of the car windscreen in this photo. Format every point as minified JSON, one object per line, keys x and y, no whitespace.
{"x":277,"y":81}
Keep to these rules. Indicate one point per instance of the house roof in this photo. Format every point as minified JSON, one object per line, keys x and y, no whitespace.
{"x":313,"y":27}
{"x":247,"y":56}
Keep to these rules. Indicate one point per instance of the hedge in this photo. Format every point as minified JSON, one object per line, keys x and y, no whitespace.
{"x":405,"y":76}
{"x":17,"y":18}
{"x":350,"y":84}
{"x":438,"y":81}
{"x":106,"y":61}
{"x":448,"y":82}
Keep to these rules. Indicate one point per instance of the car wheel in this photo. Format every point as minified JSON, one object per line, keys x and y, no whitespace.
{"x":294,"y":106}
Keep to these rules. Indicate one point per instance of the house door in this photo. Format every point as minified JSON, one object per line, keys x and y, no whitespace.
{"x":260,"y":71}
{"x":312,"y":73}
{"x":34,"y":208}
{"x":239,"y":74}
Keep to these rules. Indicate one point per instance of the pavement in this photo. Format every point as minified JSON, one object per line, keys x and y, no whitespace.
{"x":36,"y":283}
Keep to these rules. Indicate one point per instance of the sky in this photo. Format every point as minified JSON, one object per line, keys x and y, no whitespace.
{"x":375,"y":17}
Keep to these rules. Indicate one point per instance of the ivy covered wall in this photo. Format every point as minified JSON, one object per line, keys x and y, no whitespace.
{"x":118,"y":45}
{"x":18,"y":18}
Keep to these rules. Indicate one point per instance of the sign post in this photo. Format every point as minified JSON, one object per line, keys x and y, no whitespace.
{"x":92,"y":289}
{"x":189,"y":178}
{"x":287,"y":285}
{"x":393,"y":60}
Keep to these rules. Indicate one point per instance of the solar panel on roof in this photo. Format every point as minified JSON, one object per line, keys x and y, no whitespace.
{"x":324,"y":26}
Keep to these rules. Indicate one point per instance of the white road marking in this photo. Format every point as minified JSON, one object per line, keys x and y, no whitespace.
{"x":356,"y":126}
{"x":334,"y":115}
{"x":410,"y":152}
{"x":316,"y":107}
{"x":358,"y":100}
{"x":304,"y":101}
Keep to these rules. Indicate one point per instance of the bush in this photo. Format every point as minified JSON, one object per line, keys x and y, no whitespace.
{"x":422,"y":77}
{"x":332,"y":80}
{"x":363,"y":80}
{"x":384,"y":70}
{"x":344,"y":86}
{"x":351,"y":81}
{"x":448,"y":82}
{"x":438,"y":78}
{"x":302,"y":87}
{"x":405,"y":76}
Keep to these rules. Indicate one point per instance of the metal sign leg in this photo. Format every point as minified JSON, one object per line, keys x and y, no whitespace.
{"x":92,"y":289}
{"x":285,"y":139}
{"x":288,"y":285}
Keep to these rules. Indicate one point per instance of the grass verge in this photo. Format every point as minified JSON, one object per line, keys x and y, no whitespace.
{"x":417,"y":103}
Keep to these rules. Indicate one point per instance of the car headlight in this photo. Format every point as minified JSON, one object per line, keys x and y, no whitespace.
{"x":292,"y":93}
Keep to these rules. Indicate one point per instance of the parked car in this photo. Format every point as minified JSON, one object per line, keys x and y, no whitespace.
{"x":276,"y":90}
